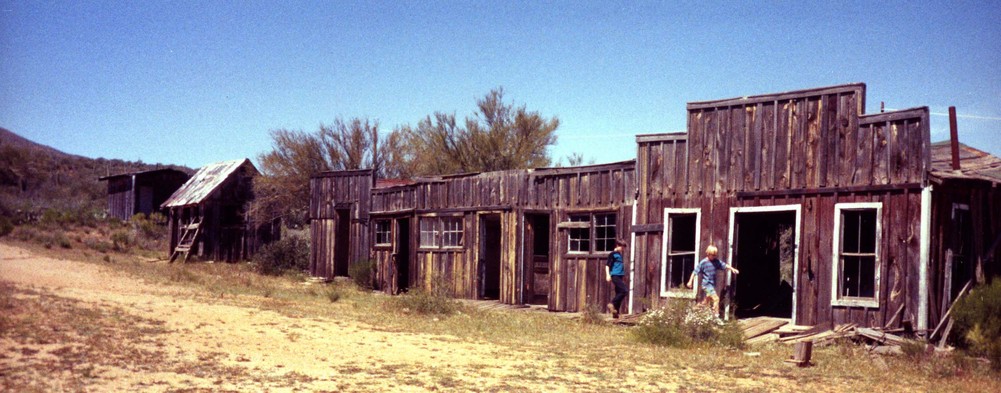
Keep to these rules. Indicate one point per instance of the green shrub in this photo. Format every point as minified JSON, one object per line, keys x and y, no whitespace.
{"x":288,"y":254}
{"x":425,"y":303}
{"x":682,"y":324}
{"x":978,"y":318}
{"x":121,"y":241}
{"x":361,"y":272}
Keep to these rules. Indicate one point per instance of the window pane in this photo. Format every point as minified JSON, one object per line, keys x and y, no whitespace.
{"x":850,"y":222}
{"x":382,"y":232}
{"x":580,"y":238}
{"x":604,"y":232}
{"x":452,"y":232}
{"x":681,"y":269}
{"x":429,"y":231}
{"x":867,"y":231}
{"x":682,"y":232}
{"x":850,"y":276}
{"x":867,"y":277}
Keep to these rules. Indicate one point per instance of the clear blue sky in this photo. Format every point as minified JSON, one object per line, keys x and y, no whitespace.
{"x":191,"y":83}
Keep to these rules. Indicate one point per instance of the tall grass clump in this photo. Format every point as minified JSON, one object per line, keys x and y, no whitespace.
{"x":361,"y":273}
{"x":683,"y":324}
{"x":423,"y":302}
{"x":978,"y":318}
{"x":291,"y":253}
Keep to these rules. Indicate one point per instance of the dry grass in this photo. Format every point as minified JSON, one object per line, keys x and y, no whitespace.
{"x":556,"y":350}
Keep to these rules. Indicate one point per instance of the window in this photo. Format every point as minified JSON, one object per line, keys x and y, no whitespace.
{"x":580,"y":238}
{"x":441,"y":231}
{"x":382,"y":232}
{"x":856,"y":254}
{"x":681,"y":234}
{"x":452,"y":232}
{"x":604,"y":232}
{"x":591,"y":232}
{"x":430,"y":226}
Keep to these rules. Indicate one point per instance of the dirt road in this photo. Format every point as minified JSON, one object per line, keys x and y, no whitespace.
{"x":156,"y":337}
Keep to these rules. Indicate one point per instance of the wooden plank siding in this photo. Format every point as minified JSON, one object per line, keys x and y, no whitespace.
{"x":810,"y":149}
{"x":333,"y":193}
{"x":576,"y":280}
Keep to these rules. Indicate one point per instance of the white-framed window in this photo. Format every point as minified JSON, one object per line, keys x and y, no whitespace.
{"x":856,"y":263}
{"x":680,"y":251}
{"x":451,"y":232}
{"x":382,"y":232}
{"x":429,"y":228}
{"x":580,"y":238}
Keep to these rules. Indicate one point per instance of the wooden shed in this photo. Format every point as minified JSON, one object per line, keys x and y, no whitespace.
{"x":210,"y":215}
{"x":827,"y":211}
{"x":520,"y":236}
{"x":141,"y":192}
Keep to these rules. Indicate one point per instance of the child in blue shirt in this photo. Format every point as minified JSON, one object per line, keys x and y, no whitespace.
{"x":615,"y":272}
{"x":707,"y":271}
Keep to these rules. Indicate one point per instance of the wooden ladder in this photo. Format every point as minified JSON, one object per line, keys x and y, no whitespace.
{"x":186,"y":242}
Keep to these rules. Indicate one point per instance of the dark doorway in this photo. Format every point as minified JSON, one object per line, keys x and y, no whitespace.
{"x":402,"y":255}
{"x":765,"y":247}
{"x":490,"y":255}
{"x":342,"y":242}
{"x":537,"y":259}
{"x":960,"y":255}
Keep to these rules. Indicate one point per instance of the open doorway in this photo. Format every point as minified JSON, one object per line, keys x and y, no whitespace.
{"x":536,"y":258}
{"x":764,"y":242}
{"x":401,"y":257}
{"x":490,"y":256}
{"x":342,"y":242}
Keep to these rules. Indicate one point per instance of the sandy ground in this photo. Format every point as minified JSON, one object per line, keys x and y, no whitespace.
{"x":205,"y":346}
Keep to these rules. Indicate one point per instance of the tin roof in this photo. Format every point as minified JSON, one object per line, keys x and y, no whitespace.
{"x":208,"y":178}
{"x":973,"y":164}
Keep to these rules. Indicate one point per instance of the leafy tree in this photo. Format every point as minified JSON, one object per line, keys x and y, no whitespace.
{"x":499,"y":136}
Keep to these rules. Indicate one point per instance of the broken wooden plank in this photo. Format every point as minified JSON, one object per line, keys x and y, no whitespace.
{"x":948,"y":313}
{"x":764,"y":338}
{"x":763,"y":327}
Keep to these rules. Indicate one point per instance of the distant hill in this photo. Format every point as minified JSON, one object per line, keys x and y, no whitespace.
{"x":35,"y":178}
{"x":9,"y":138}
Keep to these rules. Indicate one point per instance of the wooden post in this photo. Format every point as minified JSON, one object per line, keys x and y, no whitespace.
{"x":954,"y":138}
{"x":802,"y":353}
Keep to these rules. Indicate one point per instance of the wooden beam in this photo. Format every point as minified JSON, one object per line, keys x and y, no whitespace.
{"x":640,"y":228}
{"x":829,"y":190}
{"x":795,"y":94}
{"x":668,"y":137}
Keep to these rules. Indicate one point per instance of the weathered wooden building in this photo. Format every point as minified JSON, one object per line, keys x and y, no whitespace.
{"x":520,"y":236}
{"x":210,"y":215}
{"x":831,"y":214}
{"x":141,"y":192}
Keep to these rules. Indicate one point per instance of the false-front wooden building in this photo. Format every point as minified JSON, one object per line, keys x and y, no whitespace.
{"x":210,"y":215}
{"x":141,"y":192}
{"x":831,"y":215}
{"x":520,"y":236}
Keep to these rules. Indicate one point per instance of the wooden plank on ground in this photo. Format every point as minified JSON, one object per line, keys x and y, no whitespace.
{"x":764,"y":326}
